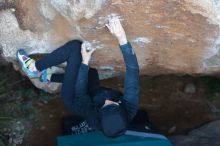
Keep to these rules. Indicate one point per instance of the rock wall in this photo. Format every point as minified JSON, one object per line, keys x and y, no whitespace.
{"x":169,"y":36}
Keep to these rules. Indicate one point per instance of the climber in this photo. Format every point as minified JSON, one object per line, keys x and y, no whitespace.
{"x":104,"y":109}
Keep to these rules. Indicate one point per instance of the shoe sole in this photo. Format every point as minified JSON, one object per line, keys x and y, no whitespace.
{"x":26,"y":71}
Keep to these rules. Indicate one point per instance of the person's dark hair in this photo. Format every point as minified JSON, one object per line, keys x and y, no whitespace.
{"x":113,"y":120}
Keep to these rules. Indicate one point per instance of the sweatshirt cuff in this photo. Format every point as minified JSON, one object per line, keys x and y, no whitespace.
{"x":84,"y":67}
{"x":127,"y":48}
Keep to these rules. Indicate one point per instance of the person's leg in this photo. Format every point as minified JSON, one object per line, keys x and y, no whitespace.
{"x":93,"y":80}
{"x":74,"y":60}
{"x":34,"y":68}
{"x":58,"y":56}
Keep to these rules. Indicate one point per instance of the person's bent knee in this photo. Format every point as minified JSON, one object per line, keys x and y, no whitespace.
{"x":75,"y":44}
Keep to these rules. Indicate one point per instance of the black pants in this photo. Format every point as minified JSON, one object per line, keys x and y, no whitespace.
{"x":70,"y":53}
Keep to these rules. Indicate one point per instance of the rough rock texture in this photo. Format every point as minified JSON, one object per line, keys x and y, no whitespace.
{"x":207,"y":135}
{"x":169,"y":36}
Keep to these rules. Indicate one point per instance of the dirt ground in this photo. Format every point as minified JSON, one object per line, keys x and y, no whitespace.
{"x":171,"y":107}
{"x":48,"y":126}
{"x":175,"y":104}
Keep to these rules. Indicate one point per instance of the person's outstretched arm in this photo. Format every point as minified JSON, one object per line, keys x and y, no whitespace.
{"x":131,"y":83}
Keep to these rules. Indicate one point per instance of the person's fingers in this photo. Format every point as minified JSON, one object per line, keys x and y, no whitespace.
{"x":110,"y":28}
{"x":83,"y":45}
{"x":114,"y":26}
{"x":111,"y":18}
{"x":118,"y":23}
{"x":84,"y":49}
{"x":107,"y":25}
{"x":93,"y":50}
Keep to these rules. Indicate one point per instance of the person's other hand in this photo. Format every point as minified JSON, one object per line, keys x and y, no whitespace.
{"x":86,"y":51}
{"x":116,"y":29}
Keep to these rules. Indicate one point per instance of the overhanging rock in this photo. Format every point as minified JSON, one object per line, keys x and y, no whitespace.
{"x":178,"y":37}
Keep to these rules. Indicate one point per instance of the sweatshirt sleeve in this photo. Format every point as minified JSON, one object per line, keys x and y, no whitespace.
{"x":83,"y":104}
{"x":82,"y":81}
{"x":131,"y":83}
